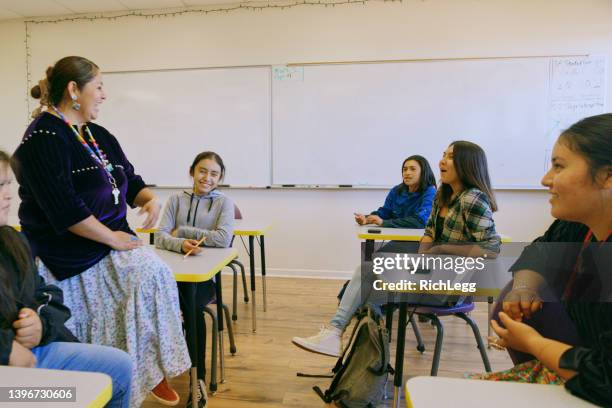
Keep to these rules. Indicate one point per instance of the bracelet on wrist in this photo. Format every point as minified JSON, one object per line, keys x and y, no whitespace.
{"x":521,"y":285}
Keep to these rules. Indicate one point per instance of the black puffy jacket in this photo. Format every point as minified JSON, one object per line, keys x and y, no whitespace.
{"x":47,"y":300}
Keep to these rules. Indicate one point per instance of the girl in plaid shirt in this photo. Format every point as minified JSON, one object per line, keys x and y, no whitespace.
{"x":461,"y":221}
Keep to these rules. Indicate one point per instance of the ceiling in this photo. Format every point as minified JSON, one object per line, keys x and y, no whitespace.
{"x":16,"y":9}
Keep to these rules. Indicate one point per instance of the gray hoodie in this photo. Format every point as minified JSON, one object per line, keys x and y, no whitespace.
{"x":196,"y":217}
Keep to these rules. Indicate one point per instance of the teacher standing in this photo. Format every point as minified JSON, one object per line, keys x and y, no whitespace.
{"x":75,"y":185}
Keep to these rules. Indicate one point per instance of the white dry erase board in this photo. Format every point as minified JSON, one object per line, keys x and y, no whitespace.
{"x":355,"y":123}
{"x":350,"y":124}
{"x":164,"y":118}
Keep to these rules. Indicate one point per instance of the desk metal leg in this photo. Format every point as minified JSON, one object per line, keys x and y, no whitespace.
{"x":399,"y":355}
{"x":252,"y":270}
{"x":489,"y":311}
{"x":219,"y":295}
{"x":369,"y":250}
{"x":192,"y":337}
{"x":262,"y":257}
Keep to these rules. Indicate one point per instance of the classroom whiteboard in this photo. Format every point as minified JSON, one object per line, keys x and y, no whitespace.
{"x":355,"y":123}
{"x":164,"y":118}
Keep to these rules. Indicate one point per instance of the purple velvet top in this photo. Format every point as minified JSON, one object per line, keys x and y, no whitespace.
{"x":60,"y":185}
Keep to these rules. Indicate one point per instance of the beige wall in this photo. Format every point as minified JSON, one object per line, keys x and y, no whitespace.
{"x":313,"y":231}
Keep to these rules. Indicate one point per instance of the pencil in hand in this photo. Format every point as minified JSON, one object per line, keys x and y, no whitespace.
{"x":192,"y":249}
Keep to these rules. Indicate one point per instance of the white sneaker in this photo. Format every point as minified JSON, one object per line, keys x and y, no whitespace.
{"x":327,"y":342}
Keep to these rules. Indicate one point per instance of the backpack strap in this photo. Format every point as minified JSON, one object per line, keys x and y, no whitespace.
{"x":324,"y":397}
{"x":338,"y":365}
{"x":315,"y":375}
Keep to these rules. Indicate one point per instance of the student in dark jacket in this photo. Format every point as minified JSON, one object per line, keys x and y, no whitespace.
{"x":408,"y":204}
{"x":32,"y":315}
{"x":568,"y":341}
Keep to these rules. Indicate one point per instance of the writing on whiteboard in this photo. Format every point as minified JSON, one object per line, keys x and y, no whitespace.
{"x":285,"y":73}
{"x":577,"y":90}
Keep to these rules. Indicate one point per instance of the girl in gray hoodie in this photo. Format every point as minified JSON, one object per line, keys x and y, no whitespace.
{"x":204,"y":213}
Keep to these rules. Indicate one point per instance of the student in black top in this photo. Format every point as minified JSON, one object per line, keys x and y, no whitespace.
{"x":570,"y":262}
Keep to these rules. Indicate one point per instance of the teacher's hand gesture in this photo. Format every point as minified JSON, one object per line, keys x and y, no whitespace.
{"x":152,"y":208}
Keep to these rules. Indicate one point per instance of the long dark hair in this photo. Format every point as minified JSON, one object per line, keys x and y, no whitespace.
{"x":470,"y":163}
{"x":208,"y":155}
{"x":427,"y":176}
{"x":591,"y":138}
{"x":16,"y":266}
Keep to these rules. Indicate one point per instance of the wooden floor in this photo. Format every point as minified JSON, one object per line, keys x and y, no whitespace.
{"x":263,"y":372}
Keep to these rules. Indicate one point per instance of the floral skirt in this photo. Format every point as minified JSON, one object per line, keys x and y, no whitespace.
{"x":129,"y":300}
{"x":529,"y":372}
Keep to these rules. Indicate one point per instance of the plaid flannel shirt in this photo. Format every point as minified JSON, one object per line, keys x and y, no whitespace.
{"x":469,"y":219}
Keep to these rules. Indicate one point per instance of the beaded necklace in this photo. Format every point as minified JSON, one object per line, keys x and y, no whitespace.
{"x":98,"y":156}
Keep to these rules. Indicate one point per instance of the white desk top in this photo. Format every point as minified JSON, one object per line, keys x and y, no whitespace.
{"x":425,"y":392}
{"x":197,"y":268}
{"x":92,"y":389}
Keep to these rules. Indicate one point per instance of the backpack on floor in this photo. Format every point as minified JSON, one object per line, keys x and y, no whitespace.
{"x":360,"y":375}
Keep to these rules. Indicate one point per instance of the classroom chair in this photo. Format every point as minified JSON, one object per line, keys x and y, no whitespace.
{"x":433,"y":313}
{"x":216,"y":341}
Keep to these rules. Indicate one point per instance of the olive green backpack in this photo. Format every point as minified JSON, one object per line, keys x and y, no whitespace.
{"x":360,"y":375}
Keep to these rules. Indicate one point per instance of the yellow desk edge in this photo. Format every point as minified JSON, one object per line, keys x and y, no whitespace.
{"x":103,"y":398}
{"x":388,"y":237}
{"x":237,"y":231}
{"x":245,"y":232}
{"x":408,"y":400}
{"x":411,"y":238}
{"x":181,"y":277}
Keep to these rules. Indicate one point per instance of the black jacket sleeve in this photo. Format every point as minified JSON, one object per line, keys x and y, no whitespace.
{"x":52,"y":312}
{"x":593,"y":363}
{"x":553,"y":255}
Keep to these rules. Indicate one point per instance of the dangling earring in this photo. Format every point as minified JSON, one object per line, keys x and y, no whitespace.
{"x":75,"y":105}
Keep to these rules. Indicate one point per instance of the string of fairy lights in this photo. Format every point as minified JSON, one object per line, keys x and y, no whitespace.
{"x":253,"y":6}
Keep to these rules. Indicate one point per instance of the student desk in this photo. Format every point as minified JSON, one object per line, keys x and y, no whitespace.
{"x":402,"y":234}
{"x":252,"y":230}
{"x":255,"y":230}
{"x":386,"y":234}
{"x":406,"y":235}
{"x":425,"y":392}
{"x":92,"y":389}
{"x":395,"y":234}
{"x":489,"y":291}
{"x":194,"y":269}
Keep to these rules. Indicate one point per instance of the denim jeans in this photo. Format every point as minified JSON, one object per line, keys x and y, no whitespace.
{"x":358,"y":292}
{"x":88,"y":357}
{"x":352,"y":298}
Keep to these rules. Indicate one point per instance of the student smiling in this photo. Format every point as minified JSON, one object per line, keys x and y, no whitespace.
{"x":204,"y":213}
{"x":571,"y":261}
